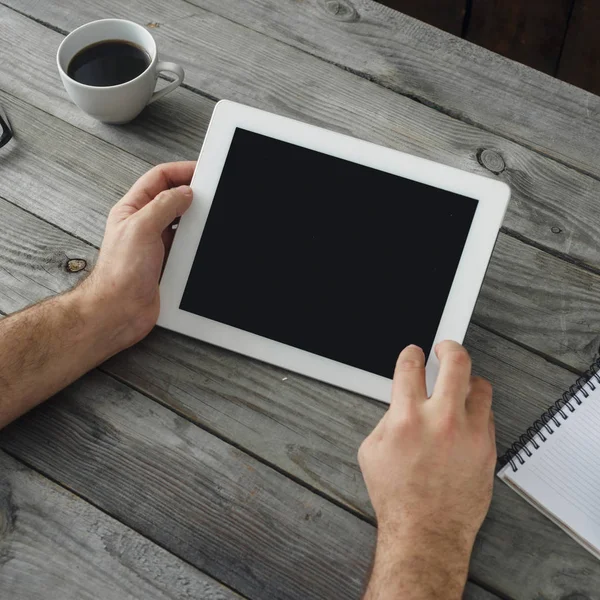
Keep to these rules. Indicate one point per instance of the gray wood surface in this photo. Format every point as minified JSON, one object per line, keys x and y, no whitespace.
{"x":54,"y":545}
{"x":306,"y":428}
{"x":214,"y":505}
{"x":215,"y":55}
{"x":191,"y":491}
{"x":416,"y":60}
{"x":211,"y":504}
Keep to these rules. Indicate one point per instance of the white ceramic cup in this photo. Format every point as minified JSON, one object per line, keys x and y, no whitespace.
{"x":116,"y":103}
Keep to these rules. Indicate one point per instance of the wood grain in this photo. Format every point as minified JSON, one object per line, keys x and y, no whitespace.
{"x":580,"y":59}
{"x":311,"y":430}
{"x":309,"y":89}
{"x":219,"y":509}
{"x":415,"y":59}
{"x":72,"y":185}
{"x":445,"y":14}
{"x":530,"y":296}
{"x":55,"y":545}
{"x":34,"y":259}
{"x":531,"y":33}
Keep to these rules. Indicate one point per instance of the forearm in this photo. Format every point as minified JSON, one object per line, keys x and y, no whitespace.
{"x":418,"y":567}
{"x":49,"y":345}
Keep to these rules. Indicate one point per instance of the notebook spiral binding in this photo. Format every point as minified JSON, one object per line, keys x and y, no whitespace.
{"x":549,"y":420}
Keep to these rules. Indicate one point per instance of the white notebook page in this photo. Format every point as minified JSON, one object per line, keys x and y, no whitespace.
{"x":562,"y":477}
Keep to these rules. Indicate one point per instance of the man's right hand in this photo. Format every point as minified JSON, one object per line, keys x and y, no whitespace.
{"x":429,"y":468}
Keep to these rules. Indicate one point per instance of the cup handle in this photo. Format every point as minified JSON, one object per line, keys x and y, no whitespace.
{"x":170,"y":68}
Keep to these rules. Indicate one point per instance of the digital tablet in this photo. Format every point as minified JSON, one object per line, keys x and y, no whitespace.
{"x":324,"y":254}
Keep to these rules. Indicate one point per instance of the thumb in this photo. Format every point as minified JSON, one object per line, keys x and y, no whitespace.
{"x":159,"y":213}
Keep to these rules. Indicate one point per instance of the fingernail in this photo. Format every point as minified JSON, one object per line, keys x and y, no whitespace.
{"x":185,"y":190}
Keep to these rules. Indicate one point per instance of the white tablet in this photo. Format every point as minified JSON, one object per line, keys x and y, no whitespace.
{"x":324,"y":254}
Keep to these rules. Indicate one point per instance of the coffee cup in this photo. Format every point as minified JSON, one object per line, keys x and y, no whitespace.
{"x":106,"y":96}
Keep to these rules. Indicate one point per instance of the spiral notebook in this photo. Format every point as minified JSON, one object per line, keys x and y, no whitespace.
{"x":555,"y":465}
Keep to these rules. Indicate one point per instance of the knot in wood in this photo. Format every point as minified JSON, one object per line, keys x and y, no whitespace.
{"x":341,"y":10}
{"x":74,"y":265}
{"x":556,"y":230}
{"x":491,"y":160}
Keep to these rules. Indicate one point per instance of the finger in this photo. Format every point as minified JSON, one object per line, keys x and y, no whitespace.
{"x":452,"y":384}
{"x":156,"y":180}
{"x":479,"y":402}
{"x":157,"y":215}
{"x":409,"y":379}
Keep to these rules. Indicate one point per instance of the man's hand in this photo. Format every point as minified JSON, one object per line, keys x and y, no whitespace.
{"x":138,"y":233}
{"x":49,"y":345}
{"x":429,"y":467}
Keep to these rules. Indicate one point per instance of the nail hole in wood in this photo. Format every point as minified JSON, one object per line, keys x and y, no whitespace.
{"x":556,"y":230}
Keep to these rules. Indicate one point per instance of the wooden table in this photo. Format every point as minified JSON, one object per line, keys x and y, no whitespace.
{"x":179,"y":470}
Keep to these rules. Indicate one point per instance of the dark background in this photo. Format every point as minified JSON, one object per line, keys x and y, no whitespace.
{"x":558,"y":37}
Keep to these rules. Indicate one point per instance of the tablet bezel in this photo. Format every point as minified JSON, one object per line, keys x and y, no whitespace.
{"x":493,"y":199}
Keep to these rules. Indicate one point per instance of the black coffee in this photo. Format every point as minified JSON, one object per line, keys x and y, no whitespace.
{"x":110,"y":62}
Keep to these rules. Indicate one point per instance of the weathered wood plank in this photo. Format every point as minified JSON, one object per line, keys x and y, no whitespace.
{"x":35,"y":258}
{"x":416,"y":59}
{"x":580,"y":60}
{"x":216,"y":507}
{"x":304,"y":427}
{"x":531,"y":33}
{"x":55,"y":545}
{"x":304,"y":87}
{"x":52,"y":172}
{"x":530,"y":296}
{"x":445,"y":14}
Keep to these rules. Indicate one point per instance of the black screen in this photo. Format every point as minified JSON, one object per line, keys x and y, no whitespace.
{"x":325,"y":255}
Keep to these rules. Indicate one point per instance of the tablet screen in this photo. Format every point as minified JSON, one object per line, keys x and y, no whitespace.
{"x":335,"y":258}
